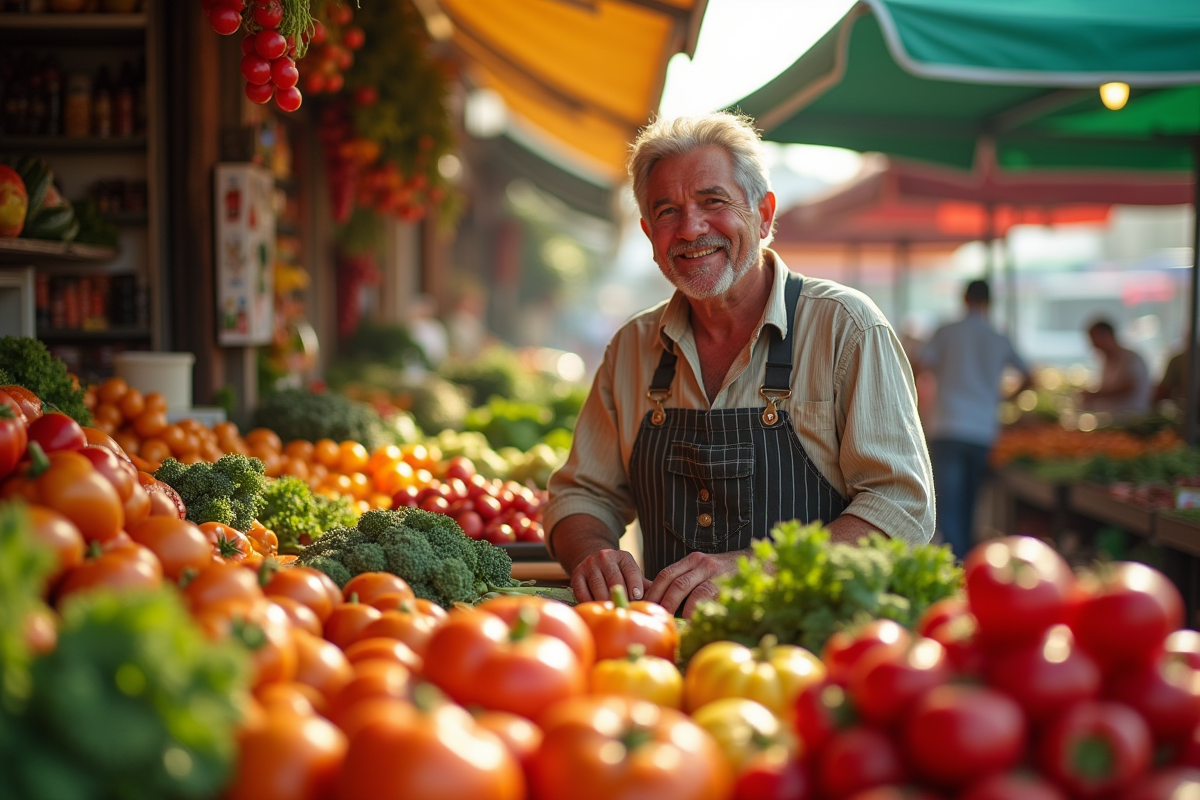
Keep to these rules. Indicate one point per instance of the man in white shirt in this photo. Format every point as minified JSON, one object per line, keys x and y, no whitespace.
{"x":1124,"y":389}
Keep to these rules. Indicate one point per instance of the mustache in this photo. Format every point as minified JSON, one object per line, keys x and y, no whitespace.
{"x":700,"y":243}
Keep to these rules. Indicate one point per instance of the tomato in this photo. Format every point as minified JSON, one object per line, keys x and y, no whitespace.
{"x":372,"y":648}
{"x":843,"y":650}
{"x":221,"y":583}
{"x":289,"y":757}
{"x":56,"y":431}
{"x":1128,"y":612}
{"x":127,"y":567}
{"x":618,"y":623}
{"x":1047,"y":676}
{"x":67,"y":482}
{"x":418,"y":605}
{"x":229,"y":544}
{"x":264,"y":629}
{"x":959,"y":638}
{"x":346,"y":623}
{"x":304,"y":585}
{"x":179,"y":545}
{"x":29,"y":403}
{"x":1166,"y":692}
{"x":435,"y":750}
{"x":7,"y":400}
{"x":1012,"y":786}
{"x":287,"y":697}
{"x":553,"y":619}
{"x":1172,"y":783}
{"x":164,"y":501}
{"x":600,"y":748}
{"x":13,"y":440}
{"x":520,"y":736}
{"x":771,"y":674}
{"x":320,"y":664}
{"x":476,"y":658}
{"x":1017,"y":586}
{"x":1095,"y":749}
{"x":855,"y":760}
{"x":369,"y":586}
{"x":300,"y":615}
{"x":957,"y":734}
{"x":1185,"y":645}
{"x":773,"y":775}
{"x":407,"y":626}
{"x":374,"y":680}
{"x":943,"y":610}
{"x":60,"y":535}
{"x":119,"y":472}
{"x":822,"y":709}
{"x":741,"y":728}
{"x":885,"y":683}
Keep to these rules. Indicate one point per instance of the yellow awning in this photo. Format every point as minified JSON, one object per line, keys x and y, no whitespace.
{"x":586,"y":73}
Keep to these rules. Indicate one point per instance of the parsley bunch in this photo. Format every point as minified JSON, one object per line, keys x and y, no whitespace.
{"x":802,"y":589}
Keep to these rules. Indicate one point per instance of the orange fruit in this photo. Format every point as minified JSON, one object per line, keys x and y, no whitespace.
{"x":360,"y":485}
{"x":107,"y":414}
{"x":327,"y":453}
{"x":265,"y":437}
{"x":155,"y":450}
{"x":353,"y":457}
{"x":383,"y":456}
{"x":150,"y":423}
{"x":176,"y":439}
{"x":225,"y":430}
{"x":299,"y":448}
{"x":129,"y":441}
{"x":297,"y":467}
{"x":393,"y":478}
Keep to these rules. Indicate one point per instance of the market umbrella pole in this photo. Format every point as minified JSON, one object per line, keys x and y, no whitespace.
{"x":1193,"y":383}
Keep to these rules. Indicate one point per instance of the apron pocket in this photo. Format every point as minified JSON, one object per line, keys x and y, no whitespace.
{"x":709,"y":493}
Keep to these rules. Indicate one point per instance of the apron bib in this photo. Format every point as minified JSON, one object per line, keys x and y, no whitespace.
{"x":713,"y":481}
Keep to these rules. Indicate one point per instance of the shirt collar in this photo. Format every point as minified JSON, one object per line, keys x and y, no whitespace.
{"x":677,"y":316}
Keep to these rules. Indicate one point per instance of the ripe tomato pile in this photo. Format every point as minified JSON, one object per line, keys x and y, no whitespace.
{"x":1039,"y":685}
{"x":335,"y":39}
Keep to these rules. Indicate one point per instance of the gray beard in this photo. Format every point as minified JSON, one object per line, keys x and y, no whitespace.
{"x":691,"y":282}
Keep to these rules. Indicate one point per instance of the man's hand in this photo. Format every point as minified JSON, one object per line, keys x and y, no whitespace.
{"x":691,"y":578}
{"x":593,"y":576}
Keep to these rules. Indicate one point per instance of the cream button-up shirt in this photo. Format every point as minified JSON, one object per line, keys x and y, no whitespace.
{"x":853,"y":406}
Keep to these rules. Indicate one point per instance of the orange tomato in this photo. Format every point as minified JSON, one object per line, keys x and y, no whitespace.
{"x":321,"y":664}
{"x":101,"y":439}
{"x":225,"y":431}
{"x":228,"y":543}
{"x":265,"y":437}
{"x":301,"y":616}
{"x":618,"y":623}
{"x":131,"y":404}
{"x":151,"y":422}
{"x":391,"y":478}
{"x":327,"y":453}
{"x":352,"y":457}
{"x":519,"y":735}
{"x":71,"y":486}
{"x":128,"y":441}
{"x":385,"y":649}
{"x":125,"y":567}
{"x":346,"y":623}
{"x":60,"y":535}
{"x":360,"y":485}
{"x":409,"y":627}
{"x":378,"y":679}
{"x":553,"y":619}
{"x":175,"y":438}
{"x":366,"y":587}
{"x":273,"y":652}
{"x":286,"y":697}
{"x":112,"y":390}
{"x":179,"y":544}
{"x":288,"y":757}
{"x":29,"y":403}
{"x":299,"y":448}
{"x":222,"y":583}
{"x":383,"y":456}
{"x":306,"y":586}
{"x":296,"y":467}
{"x":108,"y":414}
{"x":155,"y":401}
{"x":155,"y":450}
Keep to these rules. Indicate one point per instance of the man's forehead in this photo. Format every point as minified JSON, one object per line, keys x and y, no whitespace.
{"x":707,"y":170}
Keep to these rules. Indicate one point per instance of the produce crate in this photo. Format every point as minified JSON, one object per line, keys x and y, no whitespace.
{"x":1093,"y":501}
{"x":1177,"y":533}
{"x":526,"y":551}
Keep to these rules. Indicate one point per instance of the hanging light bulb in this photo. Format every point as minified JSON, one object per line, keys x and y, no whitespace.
{"x":1114,"y":95}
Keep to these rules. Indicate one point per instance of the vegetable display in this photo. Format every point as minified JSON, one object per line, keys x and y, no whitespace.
{"x":801,"y":589}
{"x":297,"y":414}
{"x":229,"y":492}
{"x":27,"y":363}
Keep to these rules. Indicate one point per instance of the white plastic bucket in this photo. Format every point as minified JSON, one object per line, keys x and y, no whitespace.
{"x":169,"y":374}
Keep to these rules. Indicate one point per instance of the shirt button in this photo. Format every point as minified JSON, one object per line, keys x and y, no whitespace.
{"x":704,"y":494}
{"x":705,"y":520}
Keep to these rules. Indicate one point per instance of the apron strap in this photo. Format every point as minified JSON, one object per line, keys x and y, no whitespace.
{"x":779,"y":357}
{"x":665,"y":374}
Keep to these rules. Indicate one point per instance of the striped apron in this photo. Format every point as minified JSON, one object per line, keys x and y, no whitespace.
{"x":713,"y":481}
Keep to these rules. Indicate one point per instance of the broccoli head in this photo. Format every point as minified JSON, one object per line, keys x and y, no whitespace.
{"x":333,"y":512}
{"x":289,"y":509}
{"x":494,"y":564}
{"x":453,"y":581}
{"x":366,"y":557}
{"x":454,"y":545}
{"x":229,"y":491}
{"x":408,"y":554}
{"x":376,"y":521}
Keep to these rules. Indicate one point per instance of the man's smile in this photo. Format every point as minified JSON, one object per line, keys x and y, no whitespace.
{"x":700,"y":253}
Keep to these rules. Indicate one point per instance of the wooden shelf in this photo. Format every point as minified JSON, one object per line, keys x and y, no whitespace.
{"x":1094,"y":502}
{"x":73,"y":22}
{"x":1178,"y":533}
{"x":32,"y":251}
{"x":67,"y":144}
{"x":128,"y":218}
{"x":81,"y":335}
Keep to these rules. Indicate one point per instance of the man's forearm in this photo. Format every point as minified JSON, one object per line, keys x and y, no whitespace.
{"x":849,"y":529}
{"x":578,"y":536}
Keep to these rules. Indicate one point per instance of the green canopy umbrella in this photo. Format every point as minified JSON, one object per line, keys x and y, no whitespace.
{"x":1008,"y":85}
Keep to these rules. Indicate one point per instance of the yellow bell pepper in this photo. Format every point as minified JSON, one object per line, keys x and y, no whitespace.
{"x":771,"y":674}
{"x":742,"y":728}
{"x":641,"y":676}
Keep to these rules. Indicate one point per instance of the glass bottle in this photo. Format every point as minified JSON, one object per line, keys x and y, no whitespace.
{"x":123,"y":118}
{"x":102,"y":105}
{"x":77,"y":109}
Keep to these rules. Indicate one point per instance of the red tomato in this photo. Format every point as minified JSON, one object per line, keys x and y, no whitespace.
{"x":1116,"y":730}
{"x":1172,"y":783}
{"x":885,"y":683}
{"x":942,"y":611}
{"x":179,"y":544}
{"x":959,"y":637}
{"x":1017,"y":587}
{"x":1129,"y":611}
{"x":123,"y":568}
{"x":30,"y":404}
{"x":843,"y":650}
{"x":60,"y":534}
{"x":822,"y":709}
{"x":1184,"y":644}
{"x":855,"y":760}
{"x":119,"y":472}
{"x":773,"y":776}
{"x":553,"y":619}
{"x":290,"y":757}
{"x":1045,"y":677}
{"x":1012,"y":786}
{"x":56,"y":431}
{"x":13,"y":440}
{"x":470,"y":522}
{"x":1166,"y":692}
{"x":958,"y":734}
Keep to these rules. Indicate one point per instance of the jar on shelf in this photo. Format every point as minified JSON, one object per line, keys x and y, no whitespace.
{"x":77,"y":110}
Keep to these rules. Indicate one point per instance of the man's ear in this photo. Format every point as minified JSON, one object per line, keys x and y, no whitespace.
{"x":645,"y":227}
{"x":766,"y":211}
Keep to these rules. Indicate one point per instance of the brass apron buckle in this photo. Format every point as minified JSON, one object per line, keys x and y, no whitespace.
{"x":657,"y":396}
{"x":770,"y":414}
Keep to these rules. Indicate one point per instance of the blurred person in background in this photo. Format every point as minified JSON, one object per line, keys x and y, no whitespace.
{"x":967,"y":358}
{"x":753,"y":396}
{"x":427,"y":330}
{"x":1124,"y":389}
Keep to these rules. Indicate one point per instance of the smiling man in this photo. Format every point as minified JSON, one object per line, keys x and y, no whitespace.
{"x":751,"y":397}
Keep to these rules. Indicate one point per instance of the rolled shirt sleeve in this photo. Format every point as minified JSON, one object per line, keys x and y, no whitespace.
{"x":883,"y":457}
